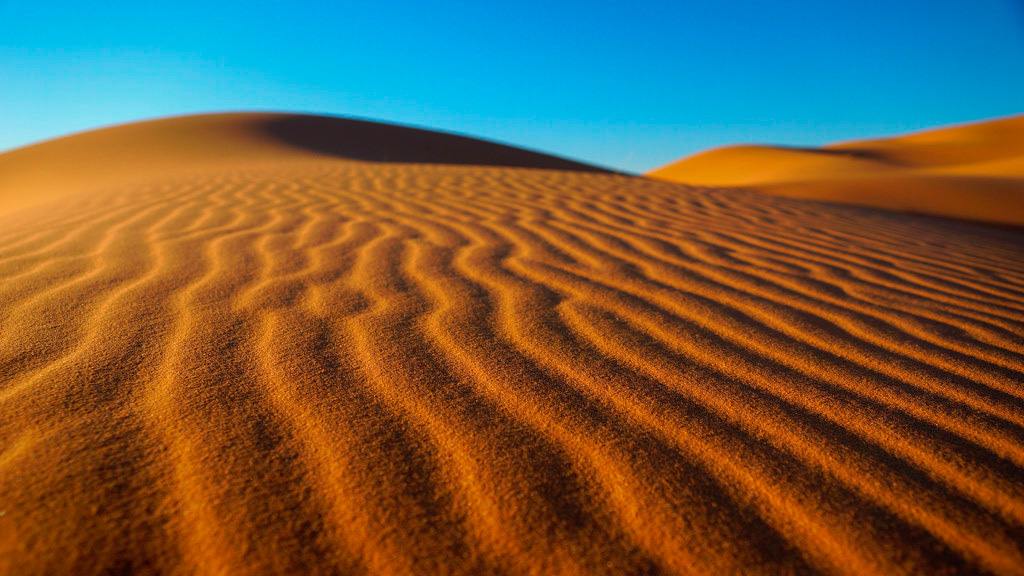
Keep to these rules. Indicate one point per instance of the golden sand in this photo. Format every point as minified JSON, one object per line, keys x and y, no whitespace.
{"x":225,"y":351}
{"x":973,"y":172}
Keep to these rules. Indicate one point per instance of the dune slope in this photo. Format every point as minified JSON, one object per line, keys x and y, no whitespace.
{"x":973,"y":172}
{"x":320,"y":364}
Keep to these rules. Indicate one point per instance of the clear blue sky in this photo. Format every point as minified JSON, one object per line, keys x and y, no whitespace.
{"x":630,"y":84}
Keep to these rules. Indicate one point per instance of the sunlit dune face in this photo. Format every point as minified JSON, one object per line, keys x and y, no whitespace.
{"x":243,"y":356}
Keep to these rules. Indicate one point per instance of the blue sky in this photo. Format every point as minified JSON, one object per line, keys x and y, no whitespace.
{"x":630,"y":85}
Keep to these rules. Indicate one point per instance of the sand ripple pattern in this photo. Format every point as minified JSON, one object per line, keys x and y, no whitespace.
{"x":344,"y":368}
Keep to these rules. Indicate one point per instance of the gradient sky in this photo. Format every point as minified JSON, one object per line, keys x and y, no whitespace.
{"x":630,"y":85}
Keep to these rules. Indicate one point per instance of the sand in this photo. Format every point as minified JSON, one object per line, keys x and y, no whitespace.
{"x":313,"y":360}
{"x":974,"y":172}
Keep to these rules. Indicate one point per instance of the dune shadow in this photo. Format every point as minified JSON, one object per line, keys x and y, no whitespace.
{"x":378,"y":142}
{"x":851,"y":153}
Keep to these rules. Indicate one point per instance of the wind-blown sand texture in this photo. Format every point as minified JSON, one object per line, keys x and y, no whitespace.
{"x":973,"y":172}
{"x":300,"y":362}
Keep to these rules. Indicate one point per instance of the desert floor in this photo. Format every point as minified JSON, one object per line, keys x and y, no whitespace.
{"x":302,"y":361}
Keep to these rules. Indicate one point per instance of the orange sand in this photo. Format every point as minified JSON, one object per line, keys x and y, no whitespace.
{"x":973,"y":172}
{"x":227,"y":351}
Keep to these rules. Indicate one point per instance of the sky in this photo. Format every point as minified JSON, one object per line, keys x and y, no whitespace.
{"x":630,"y":85}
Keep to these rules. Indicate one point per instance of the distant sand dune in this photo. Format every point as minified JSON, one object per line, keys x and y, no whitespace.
{"x":973,"y":172}
{"x":310,"y":363}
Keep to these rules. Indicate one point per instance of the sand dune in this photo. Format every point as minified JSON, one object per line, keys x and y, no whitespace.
{"x":173,"y":147}
{"x":305,"y":362}
{"x":973,"y":172}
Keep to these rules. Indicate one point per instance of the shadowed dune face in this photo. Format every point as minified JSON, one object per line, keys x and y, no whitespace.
{"x":973,"y":172}
{"x":319,"y":365}
{"x":375,"y":142}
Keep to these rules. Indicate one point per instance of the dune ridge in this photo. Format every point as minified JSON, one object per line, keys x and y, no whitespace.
{"x":972,"y":172}
{"x":340,"y":366}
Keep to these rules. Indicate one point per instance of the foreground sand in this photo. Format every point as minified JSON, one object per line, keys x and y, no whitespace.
{"x":315,"y":364}
{"x":973,"y":172}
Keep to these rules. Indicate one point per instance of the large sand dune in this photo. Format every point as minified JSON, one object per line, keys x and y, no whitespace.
{"x":300,"y":360}
{"x":973,"y":172}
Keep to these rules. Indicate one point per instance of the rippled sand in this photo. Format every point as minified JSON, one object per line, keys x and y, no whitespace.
{"x":326,"y":365}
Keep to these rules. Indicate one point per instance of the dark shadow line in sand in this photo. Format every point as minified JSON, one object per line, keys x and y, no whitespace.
{"x":377,"y":142}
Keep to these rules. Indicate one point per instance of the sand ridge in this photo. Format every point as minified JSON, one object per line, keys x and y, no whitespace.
{"x":329,"y":365}
{"x":973,"y":172}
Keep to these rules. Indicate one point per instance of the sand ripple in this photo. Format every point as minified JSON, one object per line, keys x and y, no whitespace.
{"x":344,"y":367}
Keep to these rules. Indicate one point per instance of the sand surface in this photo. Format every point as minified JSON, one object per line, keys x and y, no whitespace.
{"x":973,"y":172}
{"x":312,"y":360}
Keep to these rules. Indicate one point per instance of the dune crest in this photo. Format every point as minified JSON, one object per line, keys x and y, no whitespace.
{"x":973,"y":172}
{"x":279,"y":362}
